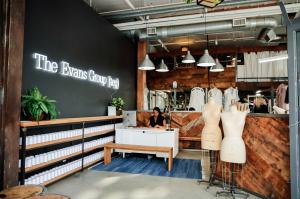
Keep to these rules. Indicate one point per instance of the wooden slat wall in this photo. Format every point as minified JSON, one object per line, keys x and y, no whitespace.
{"x":267,"y":170}
{"x":190,"y":125}
{"x":188,"y":78}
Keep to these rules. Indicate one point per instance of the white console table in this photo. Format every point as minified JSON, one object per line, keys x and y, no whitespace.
{"x":148,"y":137}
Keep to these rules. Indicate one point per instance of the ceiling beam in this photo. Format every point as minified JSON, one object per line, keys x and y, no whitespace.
{"x":221,"y":51}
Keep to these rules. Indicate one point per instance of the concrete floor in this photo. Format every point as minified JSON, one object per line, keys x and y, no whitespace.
{"x":92,"y":184}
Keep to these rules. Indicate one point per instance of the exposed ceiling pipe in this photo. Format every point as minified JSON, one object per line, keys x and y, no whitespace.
{"x":213,"y":27}
{"x":125,"y":14}
{"x":128,"y":2}
{"x":210,"y":17}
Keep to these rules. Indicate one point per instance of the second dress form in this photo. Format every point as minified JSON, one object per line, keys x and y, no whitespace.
{"x":233,"y":148}
{"x":211,"y":136}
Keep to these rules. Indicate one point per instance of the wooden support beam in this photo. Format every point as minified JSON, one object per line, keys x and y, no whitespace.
{"x":11,"y":58}
{"x":222,"y":51}
{"x":141,"y":75}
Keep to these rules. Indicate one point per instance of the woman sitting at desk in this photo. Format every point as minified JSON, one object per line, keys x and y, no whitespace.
{"x":157,"y":120}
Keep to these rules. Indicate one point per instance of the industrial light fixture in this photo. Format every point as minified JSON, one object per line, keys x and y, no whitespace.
{"x":272,"y":59}
{"x":206,"y":60}
{"x":188,"y":59}
{"x":147,"y":64}
{"x":162,"y":67}
{"x":218,"y":67}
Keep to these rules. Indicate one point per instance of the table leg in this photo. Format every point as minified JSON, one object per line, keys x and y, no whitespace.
{"x":170,"y":161}
{"x":107,"y":155}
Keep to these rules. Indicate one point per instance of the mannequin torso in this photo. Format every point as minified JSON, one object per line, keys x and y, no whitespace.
{"x":233,"y":147}
{"x":211,"y":134}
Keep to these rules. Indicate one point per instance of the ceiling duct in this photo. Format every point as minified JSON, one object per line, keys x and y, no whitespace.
{"x":239,"y":22}
{"x":268,"y":35}
{"x":213,"y":27}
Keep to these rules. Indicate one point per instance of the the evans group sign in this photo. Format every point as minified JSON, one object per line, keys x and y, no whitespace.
{"x":64,"y":68}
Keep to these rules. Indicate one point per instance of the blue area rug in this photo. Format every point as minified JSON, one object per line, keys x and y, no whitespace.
{"x":182,"y":168}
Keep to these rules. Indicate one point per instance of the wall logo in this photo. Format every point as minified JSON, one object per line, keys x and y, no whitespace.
{"x":64,"y":68}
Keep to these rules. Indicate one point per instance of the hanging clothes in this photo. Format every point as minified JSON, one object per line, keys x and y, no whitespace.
{"x":161,"y":100}
{"x":197,"y":100}
{"x":146,"y":99}
{"x":281,"y":92}
{"x":217,"y":95}
{"x":231,"y":95}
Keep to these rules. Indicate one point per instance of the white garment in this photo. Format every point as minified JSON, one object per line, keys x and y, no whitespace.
{"x":197,"y":99}
{"x":152,"y":100}
{"x":217,"y":95}
{"x":161,"y":100}
{"x":146,"y":101}
{"x":231,"y":95}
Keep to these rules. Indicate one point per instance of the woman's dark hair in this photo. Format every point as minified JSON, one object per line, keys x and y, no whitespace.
{"x":157,"y":109}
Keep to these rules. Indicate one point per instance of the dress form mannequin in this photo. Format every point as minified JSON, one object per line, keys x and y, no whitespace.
{"x":211,"y":134}
{"x":233,"y":147}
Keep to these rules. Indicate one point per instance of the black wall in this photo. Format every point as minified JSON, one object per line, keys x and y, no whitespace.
{"x":70,"y":30}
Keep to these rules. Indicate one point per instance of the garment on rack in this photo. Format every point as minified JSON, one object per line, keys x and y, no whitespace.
{"x":280,"y":96}
{"x":146,"y":99}
{"x":217,"y":95}
{"x":231,"y":95}
{"x":197,"y":99}
{"x":161,"y":99}
{"x":152,"y":99}
{"x":286,"y":100}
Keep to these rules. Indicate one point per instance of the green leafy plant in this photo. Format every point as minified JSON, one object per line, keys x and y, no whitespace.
{"x":118,"y":102}
{"x":35,"y":106}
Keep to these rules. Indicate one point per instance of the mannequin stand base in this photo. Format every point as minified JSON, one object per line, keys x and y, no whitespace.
{"x":211,"y":182}
{"x":233,"y":193}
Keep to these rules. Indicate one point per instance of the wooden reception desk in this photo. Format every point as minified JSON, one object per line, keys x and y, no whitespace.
{"x":266,"y":136}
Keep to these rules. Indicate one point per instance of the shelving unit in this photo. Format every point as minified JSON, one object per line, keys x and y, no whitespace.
{"x":82,"y":122}
{"x":70,"y":173}
{"x":39,"y":145}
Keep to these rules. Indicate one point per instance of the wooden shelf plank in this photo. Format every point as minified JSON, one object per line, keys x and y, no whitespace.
{"x":44,"y":144}
{"x":68,"y":121}
{"x":195,"y":139}
{"x":98,"y":133}
{"x":69,"y":173}
{"x":38,"y":166}
{"x":92,"y":163}
{"x":61,"y":177}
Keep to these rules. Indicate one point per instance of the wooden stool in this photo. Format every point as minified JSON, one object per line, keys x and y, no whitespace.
{"x":49,"y":196}
{"x":21,"y":192}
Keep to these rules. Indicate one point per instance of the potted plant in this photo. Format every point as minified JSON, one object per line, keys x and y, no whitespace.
{"x":119,"y":103}
{"x":37,"y":107}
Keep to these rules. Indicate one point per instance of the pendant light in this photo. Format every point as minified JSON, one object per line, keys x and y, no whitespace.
{"x":218,"y":67}
{"x":206,"y":60}
{"x":162,"y":67}
{"x":188,"y":59}
{"x":147,"y":64}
